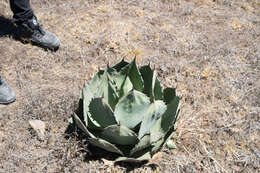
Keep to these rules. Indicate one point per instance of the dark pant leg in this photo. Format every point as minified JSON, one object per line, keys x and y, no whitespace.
{"x":21,"y":9}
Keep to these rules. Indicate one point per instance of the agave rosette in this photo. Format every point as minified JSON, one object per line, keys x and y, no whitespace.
{"x":124,"y":110}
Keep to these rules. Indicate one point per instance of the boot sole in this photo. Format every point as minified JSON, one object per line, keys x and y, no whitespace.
{"x":44,"y":47}
{"x":9,"y":102}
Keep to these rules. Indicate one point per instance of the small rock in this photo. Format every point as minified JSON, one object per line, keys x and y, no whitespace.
{"x":39,"y":127}
{"x":157,"y":156}
{"x":171,"y":145}
{"x":108,"y":162}
{"x":51,"y":140}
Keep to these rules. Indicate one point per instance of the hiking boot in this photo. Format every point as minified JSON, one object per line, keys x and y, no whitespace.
{"x":32,"y":31}
{"x":7,"y":95}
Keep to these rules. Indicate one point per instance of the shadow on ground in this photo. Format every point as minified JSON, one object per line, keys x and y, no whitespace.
{"x":92,"y":153}
{"x":6,"y":27}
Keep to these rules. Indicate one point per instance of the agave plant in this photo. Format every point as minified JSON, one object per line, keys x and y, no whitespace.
{"x":124,"y":110}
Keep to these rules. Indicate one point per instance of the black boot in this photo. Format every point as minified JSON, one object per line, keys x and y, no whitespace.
{"x":32,"y":31}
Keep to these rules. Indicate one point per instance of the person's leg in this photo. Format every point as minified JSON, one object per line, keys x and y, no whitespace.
{"x":21,"y":10}
{"x":29,"y":27}
{"x":7,"y":95}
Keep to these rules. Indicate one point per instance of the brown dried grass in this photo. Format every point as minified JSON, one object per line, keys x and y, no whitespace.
{"x":209,"y":50}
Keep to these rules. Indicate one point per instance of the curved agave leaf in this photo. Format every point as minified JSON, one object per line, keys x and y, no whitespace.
{"x":101,"y":113}
{"x":105,"y":145}
{"x":166,"y":121}
{"x":111,"y":71}
{"x":96,"y":82}
{"x":87,"y":96}
{"x":91,"y":123}
{"x":154,"y":112}
{"x":152,"y":86}
{"x":79,"y":111}
{"x":125,"y":87}
{"x":131,"y":71}
{"x":169,"y":94}
{"x":147,"y":75}
{"x":161,"y":143}
{"x":80,"y":125}
{"x":122,"y":82}
{"x":143,"y":155}
{"x":100,"y":84}
{"x":110,"y":95}
{"x":142,"y":144}
{"x":130,"y":109}
{"x":135,"y":77}
{"x":107,"y":90}
{"x":118,"y":78}
{"x":119,"y":135}
{"x":157,"y":93}
{"x":82,"y":111}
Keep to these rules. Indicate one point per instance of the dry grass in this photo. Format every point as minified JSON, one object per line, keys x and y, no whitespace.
{"x":209,"y":50}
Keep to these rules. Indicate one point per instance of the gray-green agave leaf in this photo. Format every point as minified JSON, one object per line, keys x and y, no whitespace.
{"x":131,"y":108}
{"x":135,"y":77}
{"x":118,"y":134}
{"x":105,"y":145}
{"x":154,"y":112}
{"x":166,"y":121}
{"x":80,"y":125}
{"x":101,"y":113}
{"x":120,"y":65}
{"x":169,"y":94}
{"x":152,"y":86}
{"x":142,"y":144}
{"x":158,"y":145}
{"x":144,"y":156}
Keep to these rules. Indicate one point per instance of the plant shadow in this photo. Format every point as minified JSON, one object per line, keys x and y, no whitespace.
{"x":92,"y":153}
{"x":7,"y":28}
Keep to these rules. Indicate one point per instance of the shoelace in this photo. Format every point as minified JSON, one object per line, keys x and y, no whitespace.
{"x":40,"y":31}
{"x":37,"y":25}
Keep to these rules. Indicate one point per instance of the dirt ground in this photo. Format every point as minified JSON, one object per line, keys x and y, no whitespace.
{"x":208,"y":49}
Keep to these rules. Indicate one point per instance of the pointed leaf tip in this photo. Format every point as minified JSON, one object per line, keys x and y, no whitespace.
{"x":120,"y":65}
{"x":143,"y":156}
{"x":105,"y":145}
{"x":135,"y":76}
{"x":142,"y":144}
